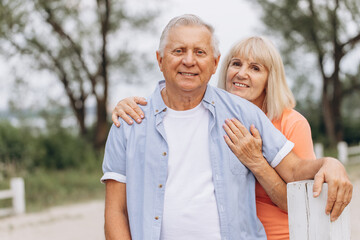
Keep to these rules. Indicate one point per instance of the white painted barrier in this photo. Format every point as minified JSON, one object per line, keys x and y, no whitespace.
{"x":342,"y":148}
{"x":307,"y":218}
{"x":319,"y":150}
{"x":17,"y":193}
{"x":348,"y":154}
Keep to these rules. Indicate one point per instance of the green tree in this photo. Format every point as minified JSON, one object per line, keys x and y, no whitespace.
{"x":71,"y":39}
{"x":329,"y":30}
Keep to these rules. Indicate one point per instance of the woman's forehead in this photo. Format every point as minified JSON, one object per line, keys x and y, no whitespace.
{"x":247,"y":57}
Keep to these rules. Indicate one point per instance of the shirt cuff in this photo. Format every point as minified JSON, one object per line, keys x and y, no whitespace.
{"x":285,"y":150}
{"x":113,"y":176}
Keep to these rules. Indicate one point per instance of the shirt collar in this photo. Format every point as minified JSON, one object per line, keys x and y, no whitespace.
{"x":159,"y":104}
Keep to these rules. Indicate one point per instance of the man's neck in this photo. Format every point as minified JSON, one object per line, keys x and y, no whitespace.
{"x":181,"y":101}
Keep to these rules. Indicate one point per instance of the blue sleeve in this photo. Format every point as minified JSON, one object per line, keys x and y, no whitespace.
{"x":114,"y":163}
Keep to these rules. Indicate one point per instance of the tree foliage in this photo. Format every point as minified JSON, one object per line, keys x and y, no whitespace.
{"x":329,"y":30}
{"x":79,"y":42}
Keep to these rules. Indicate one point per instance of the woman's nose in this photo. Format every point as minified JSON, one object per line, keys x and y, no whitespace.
{"x":242,"y":72}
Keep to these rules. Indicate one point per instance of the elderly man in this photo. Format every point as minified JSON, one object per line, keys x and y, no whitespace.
{"x":173,"y":176}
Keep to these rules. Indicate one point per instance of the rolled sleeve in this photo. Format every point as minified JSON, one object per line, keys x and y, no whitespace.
{"x":285,"y":150}
{"x":114,"y":164}
{"x":113,"y":176}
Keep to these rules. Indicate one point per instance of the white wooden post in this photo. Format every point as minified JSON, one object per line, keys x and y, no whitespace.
{"x":319,"y":150}
{"x":18,"y":188}
{"x":307,"y":218}
{"x":342,"y":148}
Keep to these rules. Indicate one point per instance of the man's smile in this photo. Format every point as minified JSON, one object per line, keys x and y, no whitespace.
{"x":188,"y":74}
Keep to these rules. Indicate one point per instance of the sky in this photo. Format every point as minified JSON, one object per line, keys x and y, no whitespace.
{"x":232,"y":20}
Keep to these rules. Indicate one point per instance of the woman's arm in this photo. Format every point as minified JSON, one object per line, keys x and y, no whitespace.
{"x":128,"y":107}
{"x":248,"y":149}
{"x":292,"y":168}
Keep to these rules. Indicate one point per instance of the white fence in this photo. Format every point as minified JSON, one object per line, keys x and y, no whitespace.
{"x":307,"y":218}
{"x":346,"y":154}
{"x":17,"y":193}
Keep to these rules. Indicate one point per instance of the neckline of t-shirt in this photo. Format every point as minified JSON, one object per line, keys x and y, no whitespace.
{"x":185,"y":113}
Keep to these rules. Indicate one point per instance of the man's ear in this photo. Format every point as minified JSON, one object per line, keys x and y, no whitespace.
{"x":159,"y":59}
{"x":217,"y":60}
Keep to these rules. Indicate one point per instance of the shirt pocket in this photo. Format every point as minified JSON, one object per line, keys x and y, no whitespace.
{"x":236,"y":167}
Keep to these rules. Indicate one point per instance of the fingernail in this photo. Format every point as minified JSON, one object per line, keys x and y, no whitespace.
{"x":316,"y":194}
{"x":131,"y":122}
{"x":142,"y":116}
{"x":138,"y":120}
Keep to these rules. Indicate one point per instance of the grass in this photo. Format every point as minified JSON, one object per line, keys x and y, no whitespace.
{"x":47,"y":188}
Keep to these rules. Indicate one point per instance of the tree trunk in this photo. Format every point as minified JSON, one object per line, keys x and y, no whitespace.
{"x":328,"y":114}
{"x":102,"y":127}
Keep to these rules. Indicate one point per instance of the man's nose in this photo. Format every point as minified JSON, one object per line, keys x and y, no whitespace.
{"x":189,"y":59}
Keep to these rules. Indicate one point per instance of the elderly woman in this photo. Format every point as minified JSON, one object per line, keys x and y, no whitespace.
{"x":253,"y":70}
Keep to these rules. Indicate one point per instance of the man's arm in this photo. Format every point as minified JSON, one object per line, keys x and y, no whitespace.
{"x":328,"y":170}
{"x":248,"y":149}
{"x":116,"y":217}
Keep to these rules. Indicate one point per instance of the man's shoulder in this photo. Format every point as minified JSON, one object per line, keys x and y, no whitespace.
{"x":227,"y":98}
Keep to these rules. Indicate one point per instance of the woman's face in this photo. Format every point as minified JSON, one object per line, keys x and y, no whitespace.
{"x":247,"y":79}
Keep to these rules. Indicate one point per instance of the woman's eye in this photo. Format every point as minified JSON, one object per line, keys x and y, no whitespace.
{"x":256,"y":68}
{"x":237,"y":64}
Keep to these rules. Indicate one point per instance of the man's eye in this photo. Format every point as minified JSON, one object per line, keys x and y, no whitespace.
{"x":200,"y":52}
{"x":178,"y":51}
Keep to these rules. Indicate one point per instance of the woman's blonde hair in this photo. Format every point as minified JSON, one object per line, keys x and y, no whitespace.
{"x":278,"y":94}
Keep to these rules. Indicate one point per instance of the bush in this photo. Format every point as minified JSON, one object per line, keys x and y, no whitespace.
{"x":63,"y":150}
{"x":55,"y":150}
{"x":13,"y":144}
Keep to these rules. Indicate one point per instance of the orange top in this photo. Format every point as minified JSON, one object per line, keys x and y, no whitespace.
{"x":295,"y":128}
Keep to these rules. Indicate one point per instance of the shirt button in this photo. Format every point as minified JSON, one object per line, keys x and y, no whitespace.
{"x":156,"y":110}
{"x":156,"y":218}
{"x":164,"y":153}
{"x":160,"y":185}
{"x":212,"y":102}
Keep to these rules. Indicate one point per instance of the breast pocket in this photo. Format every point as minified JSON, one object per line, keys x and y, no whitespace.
{"x":236,"y":167}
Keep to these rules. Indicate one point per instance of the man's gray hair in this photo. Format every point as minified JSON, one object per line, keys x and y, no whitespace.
{"x":188,"y":20}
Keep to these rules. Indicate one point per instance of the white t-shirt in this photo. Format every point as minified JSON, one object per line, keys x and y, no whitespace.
{"x":190,"y":210}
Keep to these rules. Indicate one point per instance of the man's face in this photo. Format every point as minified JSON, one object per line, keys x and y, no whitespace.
{"x":188,"y":61}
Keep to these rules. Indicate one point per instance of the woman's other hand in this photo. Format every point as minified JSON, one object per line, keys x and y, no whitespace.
{"x":128,"y":109}
{"x":245,"y":145}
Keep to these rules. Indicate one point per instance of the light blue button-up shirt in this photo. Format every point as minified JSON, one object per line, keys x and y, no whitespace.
{"x":138,"y":154}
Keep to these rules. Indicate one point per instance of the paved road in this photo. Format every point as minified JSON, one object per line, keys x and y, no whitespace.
{"x":75,"y":222}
